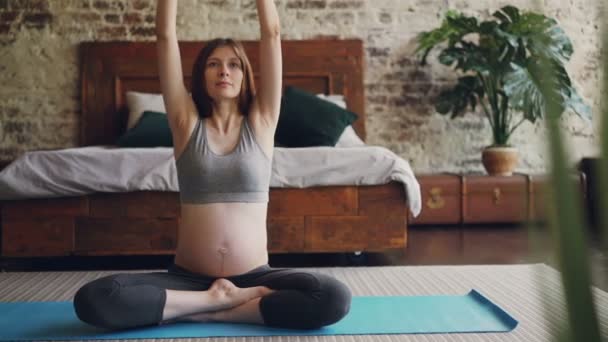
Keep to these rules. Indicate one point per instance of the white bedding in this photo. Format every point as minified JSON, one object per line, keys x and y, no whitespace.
{"x":84,"y":170}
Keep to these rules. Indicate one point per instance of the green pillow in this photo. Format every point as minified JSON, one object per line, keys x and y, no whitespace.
{"x":152,"y":130}
{"x":307,"y":120}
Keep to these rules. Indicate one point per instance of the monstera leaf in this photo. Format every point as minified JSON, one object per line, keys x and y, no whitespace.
{"x":539,"y":34}
{"x":465,"y":57}
{"x":460,"y":97}
{"x":529,"y":88}
{"x":454,"y":27}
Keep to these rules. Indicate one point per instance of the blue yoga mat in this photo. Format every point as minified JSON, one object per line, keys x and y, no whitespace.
{"x":471,"y":313}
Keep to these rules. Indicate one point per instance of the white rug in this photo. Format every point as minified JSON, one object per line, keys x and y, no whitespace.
{"x":530,"y":293}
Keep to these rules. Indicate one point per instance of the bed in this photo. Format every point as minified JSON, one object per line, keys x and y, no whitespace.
{"x":353,"y":217}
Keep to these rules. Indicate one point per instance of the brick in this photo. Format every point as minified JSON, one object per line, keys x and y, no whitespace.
{"x":104,"y":5}
{"x":307,"y":4}
{"x":419,"y":75}
{"x":22,"y":139}
{"x":30,"y":5}
{"x":346,"y":4}
{"x":345,"y":18}
{"x":326,"y":37}
{"x":412,"y":100}
{"x":378,"y":52}
{"x":248,"y":5}
{"x":139,"y":4}
{"x":114,"y":32}
{"x":73,"y":4}
{"x":87,"y":17}
{"x":397,"y":101}
{"x":112,"y":18}
{"x":101,"y":5}
{"x":83,"y":4}
{"x":250,"y":16}
{"x":217,"y":3}
{"x":143,"y":31}
{"x":9,"y":153}
{"x":405,"y":62}
{"x":376,"y":88}
{"x":417,"y":87}
{"x":8,"y":17}
{"x":385,"y":18}
{"x":398,"y":75}
{"x":11,"y":127}
{"x":37,"y":20}
{"x":377,"y":100}
{"x":131,"y":18}
{"x":407,"y":100}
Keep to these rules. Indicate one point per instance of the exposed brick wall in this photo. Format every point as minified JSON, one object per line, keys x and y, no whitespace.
{"x":39,"y":89}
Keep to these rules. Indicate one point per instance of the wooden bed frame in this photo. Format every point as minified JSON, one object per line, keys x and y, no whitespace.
{"x":318,"y":219}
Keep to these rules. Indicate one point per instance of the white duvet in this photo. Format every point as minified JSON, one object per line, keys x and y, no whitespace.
{"x":86,"y":170}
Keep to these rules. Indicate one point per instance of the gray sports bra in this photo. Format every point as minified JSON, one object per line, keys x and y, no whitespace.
{"x":243,"y":175}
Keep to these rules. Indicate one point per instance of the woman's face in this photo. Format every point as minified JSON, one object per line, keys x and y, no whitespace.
{"x":223,"y":74}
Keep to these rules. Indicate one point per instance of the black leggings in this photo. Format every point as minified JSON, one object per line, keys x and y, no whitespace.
{"x":303,"y":300}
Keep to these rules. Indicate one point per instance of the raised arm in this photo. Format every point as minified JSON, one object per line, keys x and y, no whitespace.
{"x":271,"y":62}
{"x":172,"y":86}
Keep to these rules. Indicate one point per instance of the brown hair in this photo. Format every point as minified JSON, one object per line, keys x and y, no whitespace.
{"x":201,"y":97}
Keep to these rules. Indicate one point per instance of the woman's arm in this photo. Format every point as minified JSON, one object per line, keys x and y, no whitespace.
{"x":172,"y":86}
{"x":271,"y":62}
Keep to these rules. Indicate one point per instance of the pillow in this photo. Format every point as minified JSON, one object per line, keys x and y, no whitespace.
{"x":338,"y":100}
{"x":349,"y":137}
{"x":140,"y":102}
{"x":307,"y":120}
{"x":152,"y":130}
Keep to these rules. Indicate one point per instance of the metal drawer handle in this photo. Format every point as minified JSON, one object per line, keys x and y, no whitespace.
{"x":496,"y":196}
{"x":435,"y":201}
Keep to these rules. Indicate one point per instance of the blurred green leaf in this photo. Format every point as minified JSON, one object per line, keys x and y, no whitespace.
{"x":568,"y":225}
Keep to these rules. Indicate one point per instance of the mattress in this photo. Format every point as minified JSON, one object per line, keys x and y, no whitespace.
{"x":85,"y":170}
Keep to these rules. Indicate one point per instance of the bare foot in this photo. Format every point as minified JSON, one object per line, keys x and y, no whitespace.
{"x":227,"y":298}
{"x":199,"y":317}
{"x":248,"y":312}
{"x":227,"y":295}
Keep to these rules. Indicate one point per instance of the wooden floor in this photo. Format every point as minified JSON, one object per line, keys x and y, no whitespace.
{"x":446,"y":245}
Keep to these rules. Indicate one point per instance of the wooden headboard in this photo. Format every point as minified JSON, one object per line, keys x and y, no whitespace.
{"x":110,"y":69}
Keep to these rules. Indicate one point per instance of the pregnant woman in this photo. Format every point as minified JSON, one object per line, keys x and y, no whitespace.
{"x":223,"y":138}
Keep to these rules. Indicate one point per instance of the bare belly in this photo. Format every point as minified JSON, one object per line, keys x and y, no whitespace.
{"x":222,"y":239}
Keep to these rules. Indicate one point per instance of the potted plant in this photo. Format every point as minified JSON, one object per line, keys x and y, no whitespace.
{"x":500,"y":61}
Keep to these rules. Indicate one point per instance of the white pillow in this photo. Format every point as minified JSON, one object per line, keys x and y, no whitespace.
{"x":335,"y":99}
{"x":349,"y":137}
{"x":138,"y":103}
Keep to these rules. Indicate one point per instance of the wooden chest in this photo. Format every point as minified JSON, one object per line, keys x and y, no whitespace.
{"x":477,"y":199}
{"x":539,"y":194}
{"x":495,"y":199}
{"x":441,"y":199}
